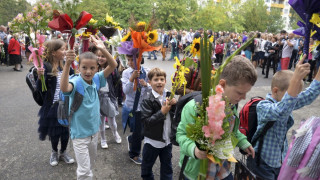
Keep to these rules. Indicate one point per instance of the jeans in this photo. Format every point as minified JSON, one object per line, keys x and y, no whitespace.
{"x":150,"y":155}
{"x":135,"y":138}
{"x":153,"y":53}
{"x":263,"y":170}
{"x":85,"y":150}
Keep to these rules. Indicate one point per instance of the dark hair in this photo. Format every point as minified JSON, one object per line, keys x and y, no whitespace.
{"x":283,"y":31}
{"x":156,"y":72}
{"x":258,"y":35}
{"x":88,"y":55}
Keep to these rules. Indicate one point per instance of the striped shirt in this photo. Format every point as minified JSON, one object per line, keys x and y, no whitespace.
{"x":57,"y":91}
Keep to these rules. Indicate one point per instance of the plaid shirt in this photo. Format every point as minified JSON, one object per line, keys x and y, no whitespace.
{"x":275,"y":143}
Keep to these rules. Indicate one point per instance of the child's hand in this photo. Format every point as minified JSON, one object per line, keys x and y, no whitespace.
{"x":173,"y":101}
{"x":70,"y":56}
{"x":143,"y":82}
{"x":200,"y":154}
{"x":134,"y":75}
{"x":40,"y":71}
{"x":301,"y":69}
{"x":165,"y":107}
{"x":97,"y":42}
{"x":250,"y":151}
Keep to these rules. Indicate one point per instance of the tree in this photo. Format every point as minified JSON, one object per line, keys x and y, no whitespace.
{"x":98,"y":9}
{"x":10,"y":9}
{"x":172,"y":14}
{"x":275,"y":20}
{"x":294,"y":19}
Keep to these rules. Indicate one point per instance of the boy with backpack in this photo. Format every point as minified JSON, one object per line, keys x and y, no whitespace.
{"x":157,"y":112}
{"x":237,"y":79}
{"x":85,"y":121}
{"x":286,"y":96}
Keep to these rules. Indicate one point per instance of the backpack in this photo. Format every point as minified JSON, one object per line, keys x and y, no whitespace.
{"x":65,"y":113}
{"x":31,"y":80}
{"x":249,"y":123}
{"x":219,"y":49}
{"x":183,"y":100}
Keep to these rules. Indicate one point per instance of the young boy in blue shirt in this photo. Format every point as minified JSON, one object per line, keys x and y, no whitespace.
{"x":128,"y":77}
{"x":84,"y":126}
{"x":286,"y":96}
{"x":157,"y":126}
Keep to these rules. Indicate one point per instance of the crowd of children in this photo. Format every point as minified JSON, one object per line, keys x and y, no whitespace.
{"x":148,"y":112}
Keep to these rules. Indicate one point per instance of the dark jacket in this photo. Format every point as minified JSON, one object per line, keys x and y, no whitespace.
{"x":152,"y":117}
{"x":165,"y":41}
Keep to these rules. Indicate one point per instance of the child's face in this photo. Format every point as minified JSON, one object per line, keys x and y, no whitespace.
{"x":157,"y":83}
{"x":60,"y":53}
{"x":87,"y":68}
{"x":236,"y":93}
{"x":130,"y":62}
{"x":101,"y":59}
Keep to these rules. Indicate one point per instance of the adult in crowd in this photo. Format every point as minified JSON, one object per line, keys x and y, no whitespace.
{"x":165,"y":44}
{"x":14,"y":50}
{"x":288,"y":46}
{"x":4,"y":39}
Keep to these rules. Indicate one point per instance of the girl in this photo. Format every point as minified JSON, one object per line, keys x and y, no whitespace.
{"x":48,"y":123}
{"x":112,"y":80}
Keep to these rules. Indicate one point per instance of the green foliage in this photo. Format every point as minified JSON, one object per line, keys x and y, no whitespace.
{"x":10,"y":8}
{"x":97,"y":8}
{"x":294,"y":19}
{"x":173,"y":14}
{"x":70,"y":8}
{"x":275,"y":20}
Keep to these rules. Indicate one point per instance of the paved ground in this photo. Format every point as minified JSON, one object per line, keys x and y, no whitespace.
{"x":24,"y":157}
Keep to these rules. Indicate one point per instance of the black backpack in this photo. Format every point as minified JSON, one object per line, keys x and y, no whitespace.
{"x":31,"y":79}
{"x":183,"y":100}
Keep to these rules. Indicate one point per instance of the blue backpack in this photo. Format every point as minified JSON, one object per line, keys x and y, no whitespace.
{"x":64,"y":113}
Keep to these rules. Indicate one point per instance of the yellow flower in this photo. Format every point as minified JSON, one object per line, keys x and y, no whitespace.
{"x":211,"y":39}
{"x":86,"y":34}
{"x":77,"y":58}
{"x":195,"y":47}
{"x":118,"y":27}
{"x":92,"y":21}
{"x":127,"y":37}
{"x":178,"y":79}
{"x":152,"y":36}
{"x":141,"y":23}
{"x":315,"y":19}
{"x":109,"y":18}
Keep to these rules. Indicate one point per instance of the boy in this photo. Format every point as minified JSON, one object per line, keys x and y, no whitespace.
{"x":237,"y":79}
{"x":157,"y":126}
{"x":84,"y":126}
{"x":128,"y":77}
{"x":278,"y":106}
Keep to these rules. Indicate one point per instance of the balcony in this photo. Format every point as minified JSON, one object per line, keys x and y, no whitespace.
{"x":277,"y":5}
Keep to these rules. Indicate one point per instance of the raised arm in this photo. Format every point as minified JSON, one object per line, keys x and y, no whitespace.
{"x":112,"y":64}
{"x":65,"y":86}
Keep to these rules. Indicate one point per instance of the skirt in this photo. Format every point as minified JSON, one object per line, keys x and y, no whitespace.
{"x":14,"y":59}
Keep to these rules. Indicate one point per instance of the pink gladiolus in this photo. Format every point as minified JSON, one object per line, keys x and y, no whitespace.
{"x":36,"y":56}
{"x":216,"y":114}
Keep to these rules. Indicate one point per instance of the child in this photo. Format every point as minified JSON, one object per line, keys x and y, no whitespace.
{"x":237,"y":79}
{"x":278,"y":106}
{"x":157,"y":126}
{"x":48,"y":123}
{"x":111,"y":81}
{"x":128,"y":77}
{"x":85,"y":121}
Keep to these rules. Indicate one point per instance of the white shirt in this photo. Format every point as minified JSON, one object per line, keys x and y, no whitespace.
{"x":166,"y":125}
{"x":57,"y":91}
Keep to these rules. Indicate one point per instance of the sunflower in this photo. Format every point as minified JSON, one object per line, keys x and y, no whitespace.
{"x":127,"y":37}
{"x":195,"y":47}
{"x":152,"y":36}
{"x":211,"y":39}
{"x":141,"y":26}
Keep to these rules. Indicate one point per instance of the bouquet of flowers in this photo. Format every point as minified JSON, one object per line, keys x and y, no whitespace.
{"x":34,"y":21}
{"x":213,"y":127}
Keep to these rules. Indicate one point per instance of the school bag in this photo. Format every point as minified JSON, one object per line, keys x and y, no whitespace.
{"x":219,"y":49}
{"x":65,"y":113}
{"x":31,"y":80}
{"x":107,"y":107}
{"x":302,"y":161}
{"x":249,"y":123}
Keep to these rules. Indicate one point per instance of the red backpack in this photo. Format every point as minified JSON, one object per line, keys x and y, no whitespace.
{"x":219,"y":49}
{"x":249,"y":123}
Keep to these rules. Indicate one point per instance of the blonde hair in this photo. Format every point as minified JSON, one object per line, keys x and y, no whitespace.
{"x":50,"y":47}
{"x":281,"y":80}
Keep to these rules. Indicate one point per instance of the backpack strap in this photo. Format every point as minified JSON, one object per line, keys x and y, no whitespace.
{"x":184,"y":163}
{"x":96,"y":80}
{"x":261,"y":137}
